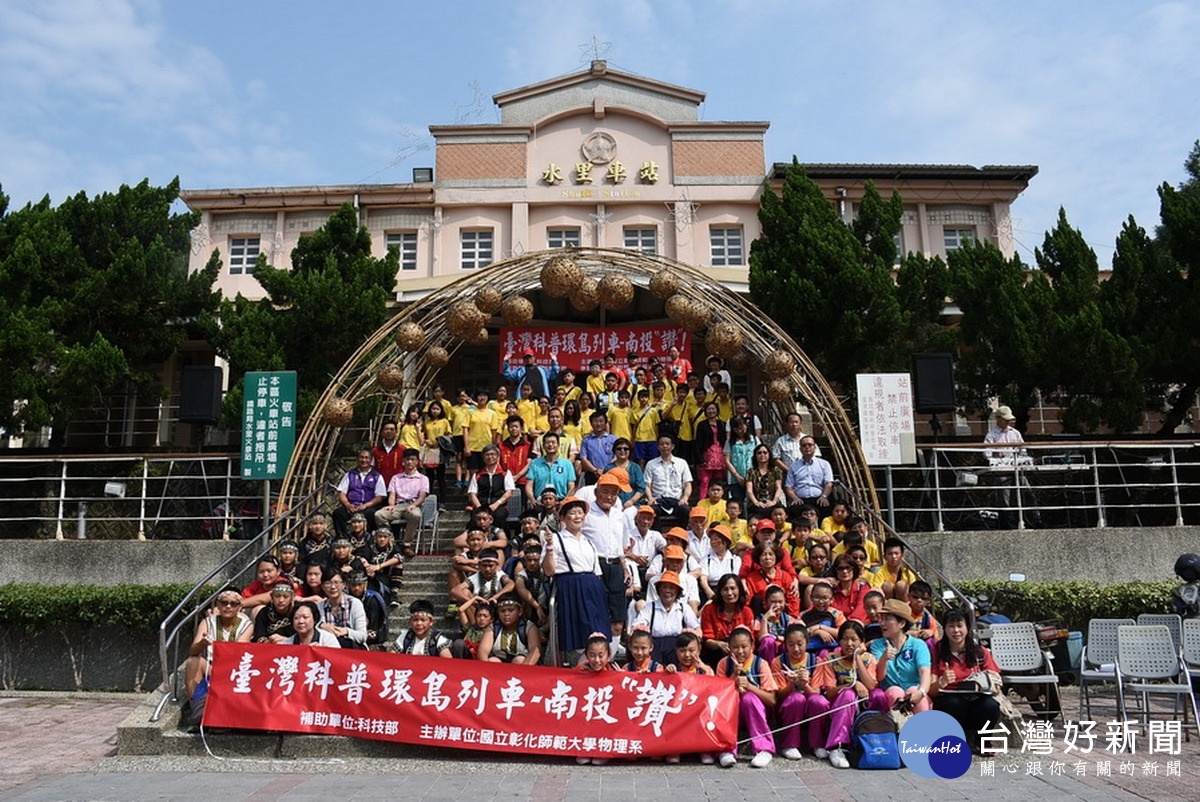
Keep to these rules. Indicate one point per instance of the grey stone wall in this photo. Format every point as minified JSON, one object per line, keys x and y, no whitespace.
{"x":111,"y":562}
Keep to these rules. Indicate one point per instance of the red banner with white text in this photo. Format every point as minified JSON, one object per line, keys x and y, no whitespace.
{"x":468,"y":704}
{"x":578,"y":346}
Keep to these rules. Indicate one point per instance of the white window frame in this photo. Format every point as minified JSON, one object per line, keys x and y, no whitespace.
{"x":564,"y":237}
{"x":641,"y":239}
{"x":406,"y":243}
{"x":243,"y":253}
{"x":727,"y":246}
{"x":955,"y":238}
{"x":476,"y":248}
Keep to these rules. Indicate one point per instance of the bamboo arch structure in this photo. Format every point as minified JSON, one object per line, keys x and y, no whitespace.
{"x":395,"y":372}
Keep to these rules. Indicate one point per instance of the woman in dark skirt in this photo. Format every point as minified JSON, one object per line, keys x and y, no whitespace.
{"x":579,"y":592}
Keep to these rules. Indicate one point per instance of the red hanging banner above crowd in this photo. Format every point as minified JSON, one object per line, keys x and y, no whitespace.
{"x":468,"y":704}
{"x":578,"y":346}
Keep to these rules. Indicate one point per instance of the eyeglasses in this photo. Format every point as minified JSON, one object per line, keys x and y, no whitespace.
{"x":844,"y":568}
{"x":229,"y":602}
{"x":621,"y":448}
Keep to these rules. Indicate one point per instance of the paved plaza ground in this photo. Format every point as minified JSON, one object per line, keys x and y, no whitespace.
{"x":63,"y":747}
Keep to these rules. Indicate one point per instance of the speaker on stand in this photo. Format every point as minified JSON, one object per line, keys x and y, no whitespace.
{"x":933,"y":392}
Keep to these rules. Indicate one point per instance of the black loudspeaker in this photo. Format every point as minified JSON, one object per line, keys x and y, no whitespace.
{"x":200,"y":395}
{"x":933,"y":382}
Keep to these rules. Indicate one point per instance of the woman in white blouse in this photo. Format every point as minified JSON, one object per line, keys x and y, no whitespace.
{"x":581,"y":607}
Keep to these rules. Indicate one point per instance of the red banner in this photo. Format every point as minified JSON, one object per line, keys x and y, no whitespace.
{"x":577,"y":347}
{"x":468,"y":704}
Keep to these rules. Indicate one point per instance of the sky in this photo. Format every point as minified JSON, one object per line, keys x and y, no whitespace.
{"x":97,"y":93}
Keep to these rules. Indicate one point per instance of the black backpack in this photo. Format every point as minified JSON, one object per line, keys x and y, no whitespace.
{"x":874,"y":741}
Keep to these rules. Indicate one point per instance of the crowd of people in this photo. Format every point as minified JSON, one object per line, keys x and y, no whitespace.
{"x":668,"y":537}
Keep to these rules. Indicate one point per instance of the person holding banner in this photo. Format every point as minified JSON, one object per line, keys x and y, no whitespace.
{"x":540,"y":378}
{"x":580,"y":596}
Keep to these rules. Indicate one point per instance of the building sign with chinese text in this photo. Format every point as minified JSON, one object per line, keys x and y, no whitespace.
{"x":577,"y":347}
{"x":468,"y":704}
{"x":268,"y":424}
{"x":885,"y":416}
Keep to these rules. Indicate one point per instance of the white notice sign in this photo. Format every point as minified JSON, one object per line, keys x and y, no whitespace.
{"x":885,"y":415}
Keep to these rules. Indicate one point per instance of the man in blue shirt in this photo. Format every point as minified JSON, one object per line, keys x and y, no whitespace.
{"x":596,"y":450}
{"x":537,"y":377}
{"x":809,"y":478}
{"x":549,"y":470}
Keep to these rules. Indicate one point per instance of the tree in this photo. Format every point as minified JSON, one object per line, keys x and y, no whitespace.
{"x":316,"y":315}
{"x":94,"y":297}
{"x":1090,"y":369}
{"x":827,"y":284}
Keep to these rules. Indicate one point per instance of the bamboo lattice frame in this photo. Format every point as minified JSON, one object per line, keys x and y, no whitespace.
{"x":317,"y":448}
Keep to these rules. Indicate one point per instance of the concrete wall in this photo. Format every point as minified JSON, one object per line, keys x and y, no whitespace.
{"x":1107,"y":556}
{"x":112,"y":562}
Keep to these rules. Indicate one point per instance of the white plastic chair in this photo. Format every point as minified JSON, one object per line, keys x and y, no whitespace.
{"x":429,"y":523}
{"x":1169,"y":620}
{"x":1148,"y":664}
{"x":1191,"y":646}
{"x":1022,"y":663}
{"x":1099,"y":665}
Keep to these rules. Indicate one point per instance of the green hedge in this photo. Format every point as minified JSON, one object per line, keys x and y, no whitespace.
{"x":1072,"y":604}
{"x":40,"y":607}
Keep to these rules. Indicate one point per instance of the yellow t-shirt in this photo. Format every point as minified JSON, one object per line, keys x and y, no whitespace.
{"x":687,"y":424}
{"x":724,"y":408}
{"x":436,"y":428}
{"x":883,"y":574}
{"x":874,"y":557}
{"x":410,"y":435}
{"x":595,"y":384}
{"x":618,"y":422}
{"x":741,"y":533}
{"x":460,"y":417}
{"x":645,"y":424}
{"x":528,"y":410}
{"x":717,"y":514}
{"x":481,"y":429}
{"x":573,"y":392}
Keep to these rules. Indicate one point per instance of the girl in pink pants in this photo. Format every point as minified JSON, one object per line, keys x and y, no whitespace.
{"x":843,"y":683}
{"x":757,"y":686}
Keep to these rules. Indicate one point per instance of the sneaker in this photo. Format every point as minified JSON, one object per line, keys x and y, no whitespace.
{"x":727,"y":760}
{"x":394,"y":604}
{"x":708,"y":758}
{"x":674,"y":759}
{"x":599,"y":761}
{"x":821,"y":753}
{"x":838,"y":759}
{"x":441,"y":508}
{"x":583,"y":761}
{"x":761,"y":760}
{"x":791,"y":753}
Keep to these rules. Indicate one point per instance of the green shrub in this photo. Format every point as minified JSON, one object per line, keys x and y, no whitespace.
{"x":30,"y":608}
{"x":1072,"y":604}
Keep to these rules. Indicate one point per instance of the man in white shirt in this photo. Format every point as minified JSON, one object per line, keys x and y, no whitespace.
{"x":786,"y":448}
{"x":1004,"y":432}
{"x":668,"y":482}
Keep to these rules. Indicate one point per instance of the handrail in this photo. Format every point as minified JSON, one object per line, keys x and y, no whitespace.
{"x":259,"y":546}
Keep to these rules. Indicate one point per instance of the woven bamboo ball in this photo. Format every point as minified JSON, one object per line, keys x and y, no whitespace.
{"x":488,"y":299}
{"x":723,"y":339}
{"x":691,"y":315}
{"x":478,"y":338}
{"x":560,"y":276}
{"x":616,"y":291}
{"x":586,"y":296}
{"x":464,"y":319}
{"x":437,"y":357}
{"x":338,"y":412}
{"x":739,"y":361}
{"x":779,"y":363}
{"x":664,"y":284}
{"x":390,"y":377}
{"x":409,"y":336}
{"x":779,"y":391}
{"x":516,"y":311}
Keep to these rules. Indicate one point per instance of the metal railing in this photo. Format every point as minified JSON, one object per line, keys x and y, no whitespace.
{"x":126,"y":497}
{"x":181,"y":621}
{"x":1061,"y":485}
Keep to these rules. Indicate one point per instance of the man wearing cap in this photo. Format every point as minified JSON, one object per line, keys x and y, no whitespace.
{"x":362,"y":489}
{"x":674,"y":559}
{"x":604,"y":527}
{"x":374,"y":608}
{"x":531,"y":373}
{"x":667,"y":616}
{"x":1005,"y":433}
{"x":668,"y":482}
{"x":273,"y":624}
{"x":406,"y":494}
{"x":809,"y":479}
{"x":642,"y":543}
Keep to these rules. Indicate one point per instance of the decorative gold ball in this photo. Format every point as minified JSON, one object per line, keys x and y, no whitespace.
{"x":560,"y":277}
{"x":409,"y":336}
{"x":779,"y":391}
{"x":691,"y":315}
{"x":437,"y":357}
{"x":616,"y":291}
{"x":664,"y":284}
{"x":516,"y":311}
{"x":723,"y":339}
{"x":586,"y":296}
{"x":779,"y":363}
{"x":464,"y":319}
{"x":739,"y":361}
{"x":338,"y":412}
{"x":390,"y":377}
{"x":488,"y":299}
{"x":478,"y":338}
